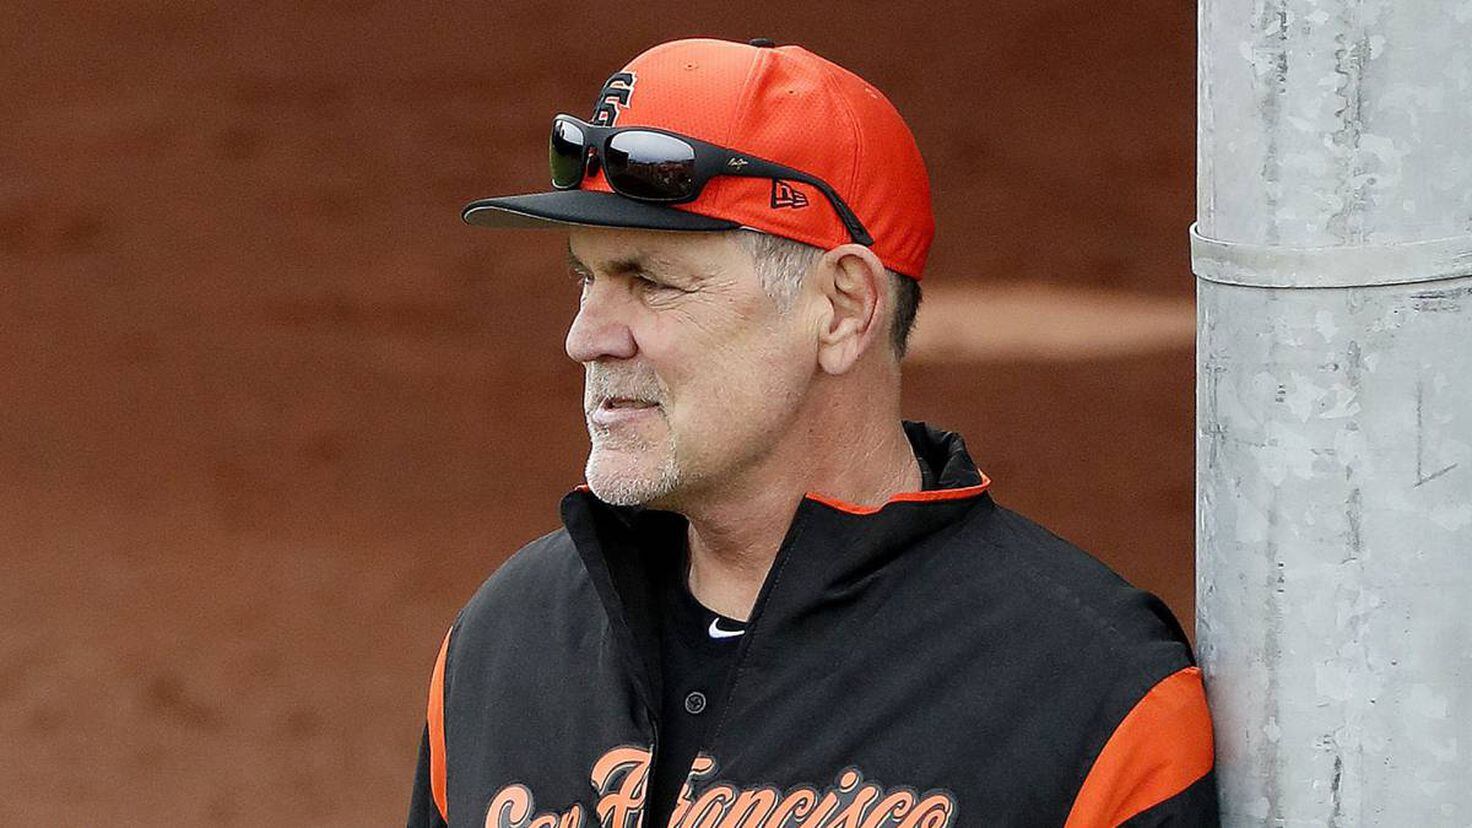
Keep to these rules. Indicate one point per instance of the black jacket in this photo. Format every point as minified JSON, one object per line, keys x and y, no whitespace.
{"x":938,"y":661}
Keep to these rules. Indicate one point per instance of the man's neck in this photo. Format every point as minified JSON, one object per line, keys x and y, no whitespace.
{"x":734,"y":536}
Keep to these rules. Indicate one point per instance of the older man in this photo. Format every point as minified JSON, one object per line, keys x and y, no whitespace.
{"x":775,"y":603}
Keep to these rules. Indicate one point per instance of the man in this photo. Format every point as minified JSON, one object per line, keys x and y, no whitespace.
{"x":775,"y":603}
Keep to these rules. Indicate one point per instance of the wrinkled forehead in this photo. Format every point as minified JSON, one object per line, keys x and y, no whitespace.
{"x":609,"y":250}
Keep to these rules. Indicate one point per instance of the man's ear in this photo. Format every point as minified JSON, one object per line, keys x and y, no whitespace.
{"x":853,"y":296}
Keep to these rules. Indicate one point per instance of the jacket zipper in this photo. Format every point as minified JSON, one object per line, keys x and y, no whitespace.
{"x":773,"y":575}
{"x":648,"y":774}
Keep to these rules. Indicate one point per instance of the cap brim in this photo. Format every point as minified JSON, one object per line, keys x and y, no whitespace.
{"x":584,"y":207}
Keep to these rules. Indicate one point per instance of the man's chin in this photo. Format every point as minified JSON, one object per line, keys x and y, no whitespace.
{"x":626,"y":492}
{"x":629,"y":484}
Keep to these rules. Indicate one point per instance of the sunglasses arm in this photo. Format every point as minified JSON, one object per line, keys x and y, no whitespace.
{"x":746,"y":165}
{"x":715,"y":160}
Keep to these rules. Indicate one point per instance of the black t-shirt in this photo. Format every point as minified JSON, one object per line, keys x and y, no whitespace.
{"x":698,"y":650}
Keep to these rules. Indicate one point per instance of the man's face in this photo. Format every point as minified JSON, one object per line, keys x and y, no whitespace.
{"x":691,"y":371}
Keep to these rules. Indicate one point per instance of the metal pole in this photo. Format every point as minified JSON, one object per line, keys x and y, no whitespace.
{"x":1333,"y":250}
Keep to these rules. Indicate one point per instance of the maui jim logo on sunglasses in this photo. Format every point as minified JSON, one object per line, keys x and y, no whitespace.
{"x":783,"y":194}
{"x":656,"y":165}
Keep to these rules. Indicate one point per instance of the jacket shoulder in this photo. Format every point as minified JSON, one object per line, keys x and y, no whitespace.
{"x":530,"y":582}
{"x":1078,"y":603}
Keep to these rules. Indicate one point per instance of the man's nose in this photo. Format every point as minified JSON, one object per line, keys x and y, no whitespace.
{"x":600,"y":330}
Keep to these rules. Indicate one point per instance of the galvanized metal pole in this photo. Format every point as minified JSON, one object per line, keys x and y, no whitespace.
{"x":1334,"y":445}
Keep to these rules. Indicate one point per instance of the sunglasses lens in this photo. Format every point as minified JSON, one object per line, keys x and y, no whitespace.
{"x":650,"y":166}
{"x":565,"y":154}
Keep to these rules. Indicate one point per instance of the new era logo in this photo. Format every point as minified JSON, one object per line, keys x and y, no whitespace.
{"x":783,"y":195}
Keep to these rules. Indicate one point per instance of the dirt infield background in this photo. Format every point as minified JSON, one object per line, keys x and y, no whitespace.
{"x":270,"y":412}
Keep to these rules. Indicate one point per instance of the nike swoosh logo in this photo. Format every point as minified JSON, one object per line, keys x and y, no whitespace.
{"x":717,"y":632}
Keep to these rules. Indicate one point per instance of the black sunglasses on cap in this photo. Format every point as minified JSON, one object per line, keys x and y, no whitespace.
{"x":654,"y":165}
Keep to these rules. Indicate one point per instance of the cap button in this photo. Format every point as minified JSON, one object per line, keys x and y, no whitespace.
{"x":762,"y":42}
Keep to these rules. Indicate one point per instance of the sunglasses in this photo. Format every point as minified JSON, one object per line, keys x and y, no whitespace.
{"x":648,"y":164}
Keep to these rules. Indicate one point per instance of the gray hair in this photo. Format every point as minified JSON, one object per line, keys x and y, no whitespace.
{"x":782,"y":263}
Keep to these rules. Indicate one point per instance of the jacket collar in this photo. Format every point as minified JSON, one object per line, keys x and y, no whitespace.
{"x":829,"y":548}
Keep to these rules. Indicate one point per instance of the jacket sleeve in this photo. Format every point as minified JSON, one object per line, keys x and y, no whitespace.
{"x":423,"y":811}
{"x":1156,"y":768}
{"x":427,"y":803}
{"x":1196,"y":805}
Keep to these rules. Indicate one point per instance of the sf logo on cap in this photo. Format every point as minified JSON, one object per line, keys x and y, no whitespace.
{"x":616,"y":93}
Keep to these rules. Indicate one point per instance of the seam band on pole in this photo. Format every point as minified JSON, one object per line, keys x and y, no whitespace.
{"x":1254,"y":265}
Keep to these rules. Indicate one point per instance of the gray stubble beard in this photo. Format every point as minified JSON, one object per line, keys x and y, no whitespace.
{"x":626,"y":491}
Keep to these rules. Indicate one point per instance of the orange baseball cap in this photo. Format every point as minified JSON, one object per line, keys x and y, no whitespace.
{"x":783,"y":104}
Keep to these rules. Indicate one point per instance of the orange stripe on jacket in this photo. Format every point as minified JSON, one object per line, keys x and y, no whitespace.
{"x":1160,"y":748}
{"x":436,"y":720}
{"x":902,"y":497}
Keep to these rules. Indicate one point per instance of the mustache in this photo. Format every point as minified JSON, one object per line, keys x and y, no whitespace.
{"x":599,"y":385}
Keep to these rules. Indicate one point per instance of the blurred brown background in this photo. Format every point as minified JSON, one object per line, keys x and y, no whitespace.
{"x":271,"y":412}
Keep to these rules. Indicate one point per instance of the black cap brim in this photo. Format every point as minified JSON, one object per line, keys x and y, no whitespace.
{"x":584,"y":207}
